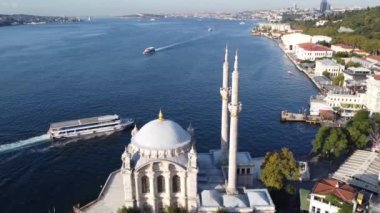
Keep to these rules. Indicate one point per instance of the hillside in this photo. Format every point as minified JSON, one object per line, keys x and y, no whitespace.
{"x":365,"y":23}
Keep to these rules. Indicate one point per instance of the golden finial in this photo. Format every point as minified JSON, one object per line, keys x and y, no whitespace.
{"x":161,"y":116}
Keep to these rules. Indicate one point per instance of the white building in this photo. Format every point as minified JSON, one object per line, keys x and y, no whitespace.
{"x":319,"y":38}
{"x":321,"y":23}
{"x":349,"y":103}
{"x":310,"y":51}
{"x":342,"y":191}
{"x":291,"y":40}
{"x":373,"y":94}
{"x":355,"y":74}
{"x":279,"y":27}
{"x":161,"y":167}
{"x":328,"y":65}
{"x":337,"y":48}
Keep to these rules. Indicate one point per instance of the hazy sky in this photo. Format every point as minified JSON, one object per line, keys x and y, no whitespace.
{"x":120,"y":7}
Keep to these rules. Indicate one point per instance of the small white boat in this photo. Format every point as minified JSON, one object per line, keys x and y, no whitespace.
{"x":149,"y":51}
{"x":290,"y":72}
{"x":210,"y":29}
{"x":242,"y":23}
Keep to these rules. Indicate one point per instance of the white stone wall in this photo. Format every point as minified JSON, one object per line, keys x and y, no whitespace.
{"x":291,"y":40}
{"x":322,"y":206}
{"x":373,"y":95}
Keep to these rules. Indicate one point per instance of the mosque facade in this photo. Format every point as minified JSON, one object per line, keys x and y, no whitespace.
{"x":161,"y":167}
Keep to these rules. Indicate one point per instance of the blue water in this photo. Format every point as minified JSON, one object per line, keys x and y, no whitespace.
{"x":51,"y":73}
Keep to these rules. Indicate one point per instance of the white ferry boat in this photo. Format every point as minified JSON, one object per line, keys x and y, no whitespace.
{"x":106,"y":124}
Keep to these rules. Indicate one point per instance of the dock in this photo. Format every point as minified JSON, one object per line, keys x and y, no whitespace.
{"x":311,"y":119}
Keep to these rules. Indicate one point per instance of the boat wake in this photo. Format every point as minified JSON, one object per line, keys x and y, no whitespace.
{"x":180,"y":43}
{"x":22,"y":144}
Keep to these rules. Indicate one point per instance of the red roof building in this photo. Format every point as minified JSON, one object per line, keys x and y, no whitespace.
{"x":310,"y":51}
{"x":319,"y":201}
{"x":342,"y":191}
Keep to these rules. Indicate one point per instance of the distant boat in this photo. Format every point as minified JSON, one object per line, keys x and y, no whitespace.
{"x":242,"y":23}
{"x":89,"y":18}
{"x":290,"y":72}
{"x":149,"y":51}
{"x":210,"y":29}
{"x":152,"y":19}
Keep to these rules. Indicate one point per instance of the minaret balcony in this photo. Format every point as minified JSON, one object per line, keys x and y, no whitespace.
{"x":235,"y":109}
{"x":225,"y":92}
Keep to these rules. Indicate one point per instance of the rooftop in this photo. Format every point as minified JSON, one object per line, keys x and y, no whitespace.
{"x":344,"y":46}
{"x":313,"y":47}
{"x":361,"y":169}
{"x":83,"y":121}
{"x":328,"y":62}
{"x":375,"y":57}
{"x":334,"y":187}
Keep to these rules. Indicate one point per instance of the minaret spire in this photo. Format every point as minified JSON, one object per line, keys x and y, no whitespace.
{"x":235,"y":108}
{"x":225,"y":93}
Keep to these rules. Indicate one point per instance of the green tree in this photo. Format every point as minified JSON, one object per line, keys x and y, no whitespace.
{"x":359,"y":129}
{"x":353,"y":64}
{"x":277,"y":167}
{"x":330,"y":142}
{"x":338,"y":80}
{"x":128,"y":210}
{"x":326,"y":74}
{"x":175,"y":209}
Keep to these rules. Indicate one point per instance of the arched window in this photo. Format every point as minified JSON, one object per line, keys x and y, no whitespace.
{"x":145,"y":188}
{"x":176,"y":184}
{"x":160,"y":184}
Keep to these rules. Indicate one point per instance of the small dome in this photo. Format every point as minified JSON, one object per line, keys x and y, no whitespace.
{"x":161,"y":134}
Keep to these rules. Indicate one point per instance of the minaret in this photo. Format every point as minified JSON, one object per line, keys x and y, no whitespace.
{"x":235,"y":108}
{"x":225,"y":93}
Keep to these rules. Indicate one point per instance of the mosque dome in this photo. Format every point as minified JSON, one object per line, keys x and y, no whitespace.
{"x":161,"y":134}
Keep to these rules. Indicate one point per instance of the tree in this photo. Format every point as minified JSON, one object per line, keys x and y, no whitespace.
{"x":175,"y":209}
{"x":353,"y":64}
{"x":338,"y":80}
{"x":359,"y":129}
{"x":326,"y":74}
{"x":128,"y":210}
{"x":277,"y":167}
{"x":330,"y":142}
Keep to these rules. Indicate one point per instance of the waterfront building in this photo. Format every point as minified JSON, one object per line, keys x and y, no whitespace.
{"x":320,"y":196}
{"x":338,"y":48}
{"x":373,"y":94}
{"x":345,"y":101}
{"x":361,"y":169}
{"x":328,"y":65}
{"x":291,"y":40}
{"x":319,"y":38}
{"x":355,"y":74}
{"x":161,"y":167}
{"x":371,"y":62}
{"x":311,"y":52}
{"x":275,"y":27}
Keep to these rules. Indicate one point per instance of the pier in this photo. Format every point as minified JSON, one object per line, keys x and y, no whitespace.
{"x":311,"y":119}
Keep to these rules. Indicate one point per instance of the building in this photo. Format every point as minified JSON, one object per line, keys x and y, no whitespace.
{"x":373,"y":94}
{"x":321,"y":23}
{"x":361,"y":169}
{"x":325,"y":6}
{"x":345,"y":101}
{"x":291,"y":40}
{"x":311,"y":52}
{"x":275,"y":27}
{"x":343,"y":29}
{"x":161,"y":167}
{"x":338,"y":48}
{"x":319,"y":196}
{"x":319,"y":38}
{"x":355,"y":74}
{"x":328,"y":65}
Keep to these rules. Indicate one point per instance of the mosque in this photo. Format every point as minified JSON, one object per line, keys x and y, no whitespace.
{"x":161,"y":167}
